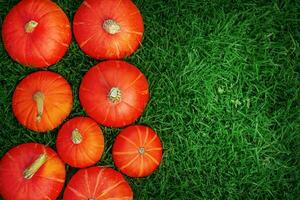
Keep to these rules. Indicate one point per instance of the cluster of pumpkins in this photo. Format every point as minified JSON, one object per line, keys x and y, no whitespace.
{"x":114,"y":93}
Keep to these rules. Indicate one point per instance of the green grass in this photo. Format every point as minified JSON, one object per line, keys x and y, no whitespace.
{"x":225,"y":97}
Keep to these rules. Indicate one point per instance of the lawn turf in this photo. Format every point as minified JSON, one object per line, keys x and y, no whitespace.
{"x":225,"y":94}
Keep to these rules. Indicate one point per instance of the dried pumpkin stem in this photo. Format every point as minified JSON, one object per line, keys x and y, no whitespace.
{"x":111,"y":26}
{"x":30,"y":26}
{"x":76,"y":136}
{"x":35,"y":166}
{"x":91,"y":199}
{"x":141,"y":150}
{"x":39,"y":98}
{"x":115,"y":95}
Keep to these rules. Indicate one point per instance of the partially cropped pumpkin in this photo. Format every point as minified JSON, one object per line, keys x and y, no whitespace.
{"x":108,"y":29}
{"x":137,"y":151}
{"x":80,"y":142}
{"x":98,"y":183}
{"x":31,"y":171}
{"x":114,"y":93}
{"x":36,"y":33}
{"x":42,"y":100}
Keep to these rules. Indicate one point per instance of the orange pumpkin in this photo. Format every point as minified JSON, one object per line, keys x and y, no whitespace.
{"x":114,"y":93}
{"x":108,"y":29}
{"x":31,"y":171}
{"x":42,"y":100}
{"x":137,"y":151}
{"x":80,"y":142}
{"x":98,"y":183}
{"x":36,"y":33}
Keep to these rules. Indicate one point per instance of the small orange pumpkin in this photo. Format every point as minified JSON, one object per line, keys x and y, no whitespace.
{"x":80,"y":142}
{"x":137,"y":151}
{"x":42,"y":100}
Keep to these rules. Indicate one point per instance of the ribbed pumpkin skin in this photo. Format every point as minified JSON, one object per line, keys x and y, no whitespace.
{"x":47,"y":182}
{"x":88,"y":151}
{"x":58,"y":100}
{"x":126,"y":154}
{"x":49,"y":40}
{"x":98,"y":183}
{"x":95,"y":41}
{"x":98,"y":82}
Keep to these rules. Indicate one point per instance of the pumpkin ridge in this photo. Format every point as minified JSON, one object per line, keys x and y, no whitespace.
{"x":50,"y":12}
{"x":151,"y":158}
{"x":38,"y":52}
{"x":91,"y":8}
{"x":119,"y":153}
{"x":103,"y":77}
{"x":59,"y":42}
{"x":146,"y":137}
{"x":142,"y":166}
{"x":150,"y":142}
{"x":47,"y":116}
{"x":106,"y":115}
{"x":83,"y":151}
{"x":134,"y":81}
{"x":86,"y":178}
{"x":108,"y":190}
{"x":82,"y":44}
{"x":125,"y":102}
{"x":128,"y":140}
{"x":28,"y":116}
{"x":121,"y":115}
{"x":140,"y":137}
{"x":97,"y":180}
{"x":58,"y":180}
{"x":76,"y":192}
{"x":130,"y":162}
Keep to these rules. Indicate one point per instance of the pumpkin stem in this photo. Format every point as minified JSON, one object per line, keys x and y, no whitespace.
{"x":76,"y":136}
{"x":30,"y":26}
{"x":91,"y":199}
{"x":35,"y":166}
{"x":141,"y":150}
{"x":115,"y":95}
{"x":39,"y":97}
{"x":111,"y":26}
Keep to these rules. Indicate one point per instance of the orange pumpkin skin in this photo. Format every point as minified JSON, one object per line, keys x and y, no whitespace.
{"x":108,"y":29}
{"x":36,"y":33}
{"x":98,"y":183}
{"x":55,"y":95}
{"x":137,"y":151}
{"x":114,"y":93}
{"x":80,"y":142}
{"x":46,"y":183}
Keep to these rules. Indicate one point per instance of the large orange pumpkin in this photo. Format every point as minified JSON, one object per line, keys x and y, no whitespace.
{"x":137,"y":151}
{"x":36,"y":33}
{"x":97,"y":183}
{"x":31,"y":171}
{"x":114,"y":93}
{"x":108,"y":29}
{"x":80,"y":142}
{"x":42,"y":100}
